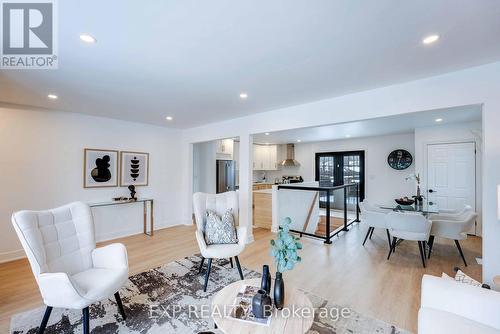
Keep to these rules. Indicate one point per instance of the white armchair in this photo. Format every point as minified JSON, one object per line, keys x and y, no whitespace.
{"x":409,"y":226}
{"x":218,"y":203}
{"x":373,"y":217}
{"x":452,"y":227}
{"x":456,"y":308}
{"x":70,"y":271}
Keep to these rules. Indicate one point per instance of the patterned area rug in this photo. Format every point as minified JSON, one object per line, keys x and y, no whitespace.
{"x":160,"y":300}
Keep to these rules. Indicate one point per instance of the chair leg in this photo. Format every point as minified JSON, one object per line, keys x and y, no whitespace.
{"x":209,"y":266}
{"x":394,"y":239}
{"x":86,"y":321}
{"x":394,"y":246}
{"x":420,"y":248}
{"x":371,"y":233}
{"x":367,"y":234}
{"x":45,"y":319}
{"x":239,"y":267}
{"x":120,"y":305}
{"x":460,"y":251}
{"x":424,"y":248}
{"x":201,"y":265}
{"x":388,"y":237}
{"x":231,"y":261}
{"x":431,"y":243}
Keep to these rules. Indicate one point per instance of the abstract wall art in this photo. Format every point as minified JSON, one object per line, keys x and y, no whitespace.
{"x":100,"y":168}
{"x":134,"y":168}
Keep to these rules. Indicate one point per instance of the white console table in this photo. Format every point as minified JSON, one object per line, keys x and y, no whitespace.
{"x":144,"y":201}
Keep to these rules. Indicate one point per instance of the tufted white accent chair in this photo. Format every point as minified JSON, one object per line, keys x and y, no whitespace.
{"x":70,"y":271}
{"x":218,"y":203}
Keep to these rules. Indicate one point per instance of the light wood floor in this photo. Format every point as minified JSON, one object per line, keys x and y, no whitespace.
{"x":345,"y":272}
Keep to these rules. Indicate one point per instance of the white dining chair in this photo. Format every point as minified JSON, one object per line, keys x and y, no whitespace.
{"x":409,"y":226}
{"x":219,"y":203}
{"x":373,"y":217}
{"x":69,"y":270}
{"x":454,"y":228}
{"x":451,"y":214}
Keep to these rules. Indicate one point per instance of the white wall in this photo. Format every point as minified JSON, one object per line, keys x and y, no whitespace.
{"x":453,"y":133}
{"x":478,"y":85}
{"x":204,"y":167}
{"x":41,"y":164}
{"x":382,"y":183}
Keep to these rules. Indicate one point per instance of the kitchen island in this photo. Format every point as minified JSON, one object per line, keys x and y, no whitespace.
{"x":263,"y":208}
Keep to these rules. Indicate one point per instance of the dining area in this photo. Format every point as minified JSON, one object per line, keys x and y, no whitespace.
{"x":421,"y":223}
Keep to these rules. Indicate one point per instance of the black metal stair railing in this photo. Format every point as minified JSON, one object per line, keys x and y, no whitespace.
{"x":329,"y":192}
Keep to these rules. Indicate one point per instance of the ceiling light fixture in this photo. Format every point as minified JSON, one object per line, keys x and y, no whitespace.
{"x":243,"y":96}
{"x":169,"y":118}
{"x":52,"y":96}
{"x":348,"y":136}
{"x":438,"y":120}
{"x":87,"y":38}
{"x":267,"y":133}
{"x":299,"y":140}
{"x":430,"y":39}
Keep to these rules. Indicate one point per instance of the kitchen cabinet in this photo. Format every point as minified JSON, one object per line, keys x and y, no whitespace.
{"x":262,"y":210}
{"x":265,"y":157}
{"x":262,"y":186}
{"x":224,"y":149}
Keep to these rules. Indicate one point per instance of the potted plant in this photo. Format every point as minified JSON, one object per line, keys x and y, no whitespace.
{"x":419,"y":199}
{"x":284,"y":251}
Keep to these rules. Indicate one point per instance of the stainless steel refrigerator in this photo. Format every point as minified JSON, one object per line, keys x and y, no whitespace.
{"x":226,"y":176}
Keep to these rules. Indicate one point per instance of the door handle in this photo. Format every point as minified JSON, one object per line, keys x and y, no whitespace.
{"x":431,"y":191}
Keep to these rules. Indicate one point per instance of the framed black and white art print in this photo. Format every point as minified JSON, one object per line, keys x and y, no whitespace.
{"x":134,"y":168}
{"x":100,"y":168}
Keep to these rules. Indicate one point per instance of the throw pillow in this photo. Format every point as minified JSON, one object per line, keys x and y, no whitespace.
{"x":220,"y":230}
{"x":463,"y":278}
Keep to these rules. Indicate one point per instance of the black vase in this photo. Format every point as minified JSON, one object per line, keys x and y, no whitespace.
{"x":279,"y":291}
{"x":266,"y":279}
{"x":262,"y":305}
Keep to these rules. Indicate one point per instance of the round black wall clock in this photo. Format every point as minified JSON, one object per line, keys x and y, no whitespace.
{"x":400,"y":159}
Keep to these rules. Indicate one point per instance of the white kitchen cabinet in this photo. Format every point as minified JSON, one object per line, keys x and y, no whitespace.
{"x":224,"y":149}
{"x":265,"y":157}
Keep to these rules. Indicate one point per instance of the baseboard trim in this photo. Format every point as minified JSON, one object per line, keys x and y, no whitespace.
{"x":12,"y":255}
{"x":19,"y":254}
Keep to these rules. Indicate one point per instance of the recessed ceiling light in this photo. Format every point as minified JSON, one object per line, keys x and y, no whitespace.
{"x":348,"y":136}
{"x":169,"y":118}
{"x":243,"y":96}
{"x":87,"y":38}
{"x":430,"y":39}
{"x":52,"y":96}
{"x":299,"y":140}
{"x":438,"y":120}
{"x":267,"y":133}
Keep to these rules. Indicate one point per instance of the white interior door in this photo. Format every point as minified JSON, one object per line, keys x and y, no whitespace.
{"x":451,"y":175}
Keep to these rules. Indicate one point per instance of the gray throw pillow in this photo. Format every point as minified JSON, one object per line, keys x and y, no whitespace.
{"x":220,"y":230}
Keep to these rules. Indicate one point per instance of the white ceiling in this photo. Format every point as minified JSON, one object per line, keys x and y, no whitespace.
{"x":190,"y":59}
{"x":374,"y":127}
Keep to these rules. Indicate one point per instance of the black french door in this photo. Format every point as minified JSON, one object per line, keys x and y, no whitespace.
{"x":339,"y":168}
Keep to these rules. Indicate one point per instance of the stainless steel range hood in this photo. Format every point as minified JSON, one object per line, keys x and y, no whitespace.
{"x":290,"y":157}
